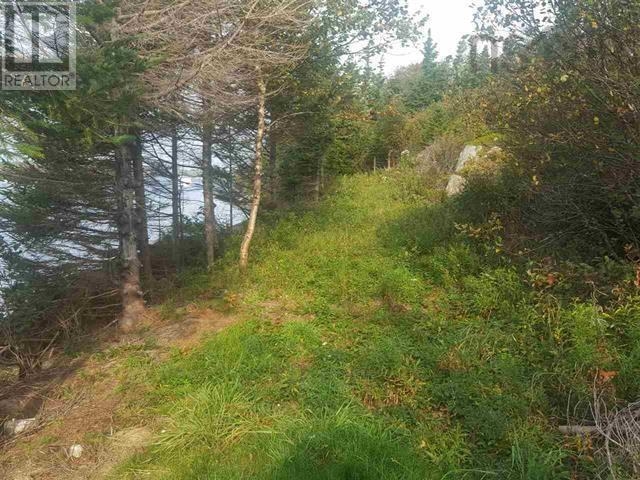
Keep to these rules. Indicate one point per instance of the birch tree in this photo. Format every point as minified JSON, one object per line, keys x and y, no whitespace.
{"x":207,"y":59}
{"x":257,"y":176}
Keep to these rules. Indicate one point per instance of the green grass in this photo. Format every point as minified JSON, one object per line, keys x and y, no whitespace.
{"x":377,"y":343}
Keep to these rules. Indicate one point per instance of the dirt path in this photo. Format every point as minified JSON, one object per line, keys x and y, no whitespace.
{"x":83,"y":401}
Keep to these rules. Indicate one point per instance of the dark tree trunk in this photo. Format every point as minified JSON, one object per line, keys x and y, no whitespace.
{"x":257,"y":178}
{"x":473,"y":54}
{"x":210,"y":233}
{"x":132,"y":301}
{"x":175,"y":200}
{"x":231,"y":198}
{"x":142,"y":230}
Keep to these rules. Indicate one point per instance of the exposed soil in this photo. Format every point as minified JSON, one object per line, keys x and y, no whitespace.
{"x":80,"y":401}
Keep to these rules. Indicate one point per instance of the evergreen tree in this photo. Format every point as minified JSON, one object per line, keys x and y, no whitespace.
{"x":430,"y":54}
{"x":484,"y":62}
{"x":431,"y":86}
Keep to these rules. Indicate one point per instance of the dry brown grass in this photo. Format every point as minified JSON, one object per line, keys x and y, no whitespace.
{"x":81,"y":401}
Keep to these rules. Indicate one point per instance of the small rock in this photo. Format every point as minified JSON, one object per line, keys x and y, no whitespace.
{"x":75,"y":451}
{"x":456,"y":185}
{"x":14,"y":427}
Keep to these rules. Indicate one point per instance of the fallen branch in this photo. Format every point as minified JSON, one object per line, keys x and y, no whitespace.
{"x":578,"y":429}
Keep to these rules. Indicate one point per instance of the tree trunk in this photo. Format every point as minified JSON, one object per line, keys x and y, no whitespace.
{"x":132,"y":301}
{"x":319,"y":185}
{"x":175,"y":200}
{"x":142,"y":230}
{"x":473,"y":54}
{"x":494,"y":55}
{"x":257,"y":179}
{"x":316,"y":184}
{"x":207,"y":192}
{"x":230,"y":194}
{"x":272,"y":174}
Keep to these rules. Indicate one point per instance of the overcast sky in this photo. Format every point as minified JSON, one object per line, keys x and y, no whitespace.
{"x":448,"y":19}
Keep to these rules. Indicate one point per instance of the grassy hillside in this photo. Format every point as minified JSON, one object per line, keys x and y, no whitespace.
{"x":378,"y":342}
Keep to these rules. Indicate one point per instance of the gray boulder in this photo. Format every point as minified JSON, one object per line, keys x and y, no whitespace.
{"x":456,"y":185}
{"x":468,"y":153}
{"x":456,"y":182}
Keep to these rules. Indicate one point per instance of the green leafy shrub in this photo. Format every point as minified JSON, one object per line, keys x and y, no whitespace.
{"x":567,"y":122}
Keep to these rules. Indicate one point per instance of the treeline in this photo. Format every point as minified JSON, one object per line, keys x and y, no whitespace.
{"x":239,"y":102}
